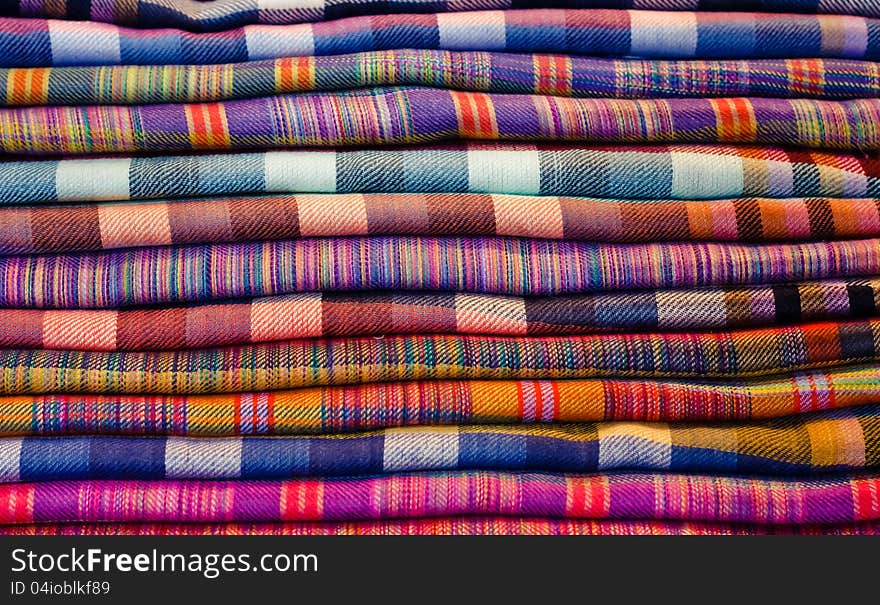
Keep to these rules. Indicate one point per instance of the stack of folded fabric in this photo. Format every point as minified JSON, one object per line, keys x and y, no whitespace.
{"x":363,"y":266}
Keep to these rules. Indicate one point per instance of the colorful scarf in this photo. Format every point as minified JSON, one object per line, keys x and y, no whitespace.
{"x":623,"y":496}
{"x":558,"y":75}
{"x":843,"y":440}
{"x":302,"y":363}
{"x":586,"y":268}
{"x":329,"y":314}
{"x":680,"y":172}
{"x":478,"y":265}
{"x":339,"y":409}
{"x":219,"y":15}
{"x":390,"y":116}
{"x":40,"y":43}
{"x":107,"y":226}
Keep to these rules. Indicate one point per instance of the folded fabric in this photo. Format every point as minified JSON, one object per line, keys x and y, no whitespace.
{"x":443,"y":526}
{"x":559,"y":75}
{"x":842,"y":440}
{"x":37,"y":42}
{"x":224,"y":14}
{"x":107,"y":226}
{"x":377,"y":405}
{"x":310,"y":362}
{"x":843,"y":499}
{"x":688,"y":172}
{"x":163,"y":275}
{"x":401,"y":115}
{"x":330,"y":314}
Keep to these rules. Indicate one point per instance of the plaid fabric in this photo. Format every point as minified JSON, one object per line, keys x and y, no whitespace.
{"x":311,"y":362}
{"x":37,"y":42}
{"x":687,"y":172}
{"x":843,"y":440}
{"x":82,"y":227}
{"x":377,"y":405}
{"x":331,"y":314}
{"x":443,"y":526}
{"x":419,"y":115}
{"x":225,"y":14}
{"x":559,"y":75}
{"x":477,"y":265}
{"x":843,"y":499}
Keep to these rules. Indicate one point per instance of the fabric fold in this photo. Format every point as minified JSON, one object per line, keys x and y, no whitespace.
{"x":218,"y":15}
{"x":330,"y":314}
{"x":557,"y":75}
{"x":39,"y":43}
{"x":842,"y":499}
{"x":301,"y":363}
{"x":395,"y":116}
{"x":162,"y":275}
{"x":341,"y":409}
{"x":677,"y":172}
{"x":108,"y":226}
{"x":82,"y":227}
{"x":807,"y":444}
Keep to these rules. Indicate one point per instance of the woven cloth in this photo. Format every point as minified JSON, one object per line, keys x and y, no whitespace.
{"x":389,"y":116}
{"x":843,"y":499}
{"x":225,"y":14}
{"x":560,"y":75}
{"x":91,"y":227}
{"x":376,"y":405}
{"x":444,"y":526}
{"x":485,"y":265}
{"x":331,"y":314}
{"x":38,"y":43}
{"x":688,"y":172}
{"x":312,"y":362}
{"x":842,"y":440}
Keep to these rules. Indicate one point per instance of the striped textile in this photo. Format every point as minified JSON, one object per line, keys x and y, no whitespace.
{"x":38,"y":42}
{"x":224,"y":14}
{"x":478,"y":265}
{"x":329,"y":314}
{"x":688,"y":172}
{"x":559,"y":75}
{"x":107,"y":226}
{"x":311,"y":362}
{"x":391,"y":116}
{"x":377,"y":405}
{"x":443,"y":526}
{"x":842,"y":499}
{"x":844,"y":440}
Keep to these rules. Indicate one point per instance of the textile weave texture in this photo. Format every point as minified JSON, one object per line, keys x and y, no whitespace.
{"x":309,"y":362}
{"x":678,"y":172}
{"x":377,"y":405}
{"x":107,"y":226}
{"x":389,"y":116}
{"x":329,"y":314}
{"x":369,"y":267}
{"x":444,"y":526}
{"x":844,"y":440}
{"x":667,"y":496}
{"x":40,"y":43}
{"x":512,"y":266}
{"x":218,"y":15}
{"x":558,"y":75}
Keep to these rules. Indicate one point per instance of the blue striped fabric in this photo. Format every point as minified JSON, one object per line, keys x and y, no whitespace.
{"x":780,"y":446}
{"x":657,"y":172}
{"x":217,"y":15}
{"x":39,"y":43}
